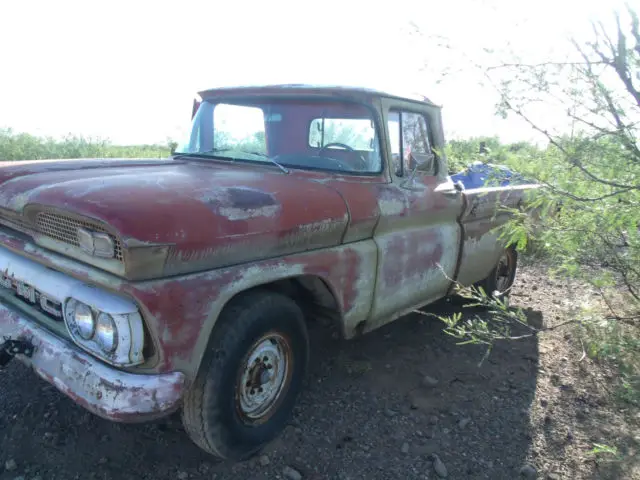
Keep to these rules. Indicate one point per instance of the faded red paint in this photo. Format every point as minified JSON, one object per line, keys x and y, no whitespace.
{"x":177,"y":309}
{"x":213,"y":222}
{"x":360,"y":195}
{"x":340,"y":270}
{"x":202,"y":202}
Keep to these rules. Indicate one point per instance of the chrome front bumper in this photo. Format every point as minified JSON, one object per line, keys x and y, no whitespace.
{"x":108,"y":392}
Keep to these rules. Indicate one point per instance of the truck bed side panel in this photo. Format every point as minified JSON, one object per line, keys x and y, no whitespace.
{"x":481,"y":247}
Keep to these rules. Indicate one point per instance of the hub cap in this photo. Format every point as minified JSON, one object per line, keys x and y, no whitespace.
{"x":264,"y":374}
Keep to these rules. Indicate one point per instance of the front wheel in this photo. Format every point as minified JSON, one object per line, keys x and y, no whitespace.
{"x":502,"y":276}
{"x":248,"y":384}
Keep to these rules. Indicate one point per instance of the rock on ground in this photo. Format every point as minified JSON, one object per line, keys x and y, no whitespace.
{"x":529,"y":472}
{"x":439,"y":467}
{"x":291,"y":474}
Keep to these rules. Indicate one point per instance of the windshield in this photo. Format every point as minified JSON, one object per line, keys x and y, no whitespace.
{"x":325,"y":135}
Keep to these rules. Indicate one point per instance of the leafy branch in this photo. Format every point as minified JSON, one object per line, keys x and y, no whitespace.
{"x":496,"y":324}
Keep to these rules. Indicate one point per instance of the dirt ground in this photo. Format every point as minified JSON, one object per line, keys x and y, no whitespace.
{"x":379,"y":407}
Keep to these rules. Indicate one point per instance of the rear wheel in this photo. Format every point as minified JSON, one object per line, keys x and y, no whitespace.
{"x":245,"y":391}
{"x":503,"y":275}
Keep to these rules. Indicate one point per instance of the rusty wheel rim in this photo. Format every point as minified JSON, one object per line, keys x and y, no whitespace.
{"x":264,"y":377}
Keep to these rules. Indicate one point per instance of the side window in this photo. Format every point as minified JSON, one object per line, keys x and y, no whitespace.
{"x":410,"y":145}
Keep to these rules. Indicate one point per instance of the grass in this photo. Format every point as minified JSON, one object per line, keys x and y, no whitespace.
{"x":601,"y":449}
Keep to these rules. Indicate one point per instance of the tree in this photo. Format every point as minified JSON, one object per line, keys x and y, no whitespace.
{"x":590,"y":170}
{"x":593,"y":171}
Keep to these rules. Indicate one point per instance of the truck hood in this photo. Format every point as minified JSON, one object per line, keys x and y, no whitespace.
{"x":207,"y":214}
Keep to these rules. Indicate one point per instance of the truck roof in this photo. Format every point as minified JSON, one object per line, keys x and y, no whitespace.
{"x":312,"y":89}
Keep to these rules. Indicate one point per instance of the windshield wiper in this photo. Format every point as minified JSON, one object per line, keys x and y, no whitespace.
{"x":249,"y":152}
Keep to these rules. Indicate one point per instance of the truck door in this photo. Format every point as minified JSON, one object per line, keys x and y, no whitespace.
{"x":418,"y":234}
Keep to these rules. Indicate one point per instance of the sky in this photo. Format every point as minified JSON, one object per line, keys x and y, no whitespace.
{"x":128,"y":70}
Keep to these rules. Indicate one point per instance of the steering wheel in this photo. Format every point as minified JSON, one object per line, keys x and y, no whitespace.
{"x":347,"y":147}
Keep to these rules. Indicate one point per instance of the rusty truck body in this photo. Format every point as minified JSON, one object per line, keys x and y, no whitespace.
{"x":139,"y":287}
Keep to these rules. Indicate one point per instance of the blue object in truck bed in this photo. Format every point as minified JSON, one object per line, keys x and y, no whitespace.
{"x":479,"y":175}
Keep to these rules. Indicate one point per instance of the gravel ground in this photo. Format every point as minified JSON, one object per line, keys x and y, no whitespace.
{"x":403,"y":402}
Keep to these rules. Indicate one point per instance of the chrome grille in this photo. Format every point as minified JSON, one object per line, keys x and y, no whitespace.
{"x":64,"y":229}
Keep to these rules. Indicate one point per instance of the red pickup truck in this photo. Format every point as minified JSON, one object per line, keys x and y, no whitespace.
{"x":140,"y":287}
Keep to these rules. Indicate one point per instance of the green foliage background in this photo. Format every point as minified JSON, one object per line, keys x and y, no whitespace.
{"x":23,"y":146}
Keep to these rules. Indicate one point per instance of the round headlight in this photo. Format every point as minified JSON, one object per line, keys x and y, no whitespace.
{"x":84,"y":321}
{"x":106,"y":333}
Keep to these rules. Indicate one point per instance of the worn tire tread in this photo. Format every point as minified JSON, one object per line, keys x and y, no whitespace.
{"x":488,"y":283}
{"x":235,"y":319}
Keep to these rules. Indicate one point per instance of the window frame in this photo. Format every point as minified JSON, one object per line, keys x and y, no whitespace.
{"x":400,"y":110}
{"x":373,"y":108}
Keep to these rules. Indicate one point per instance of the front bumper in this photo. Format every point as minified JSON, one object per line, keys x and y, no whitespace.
{"x":103,"y":390}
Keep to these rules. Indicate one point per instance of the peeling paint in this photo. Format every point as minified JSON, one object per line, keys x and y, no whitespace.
{"x":481,"y":247}
{"x":235,"y":213}
{"x":184,"y":309}
{"x":107,"y":392}
{"x":392,"y":203}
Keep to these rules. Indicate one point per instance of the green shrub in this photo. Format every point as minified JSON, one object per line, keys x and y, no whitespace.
{"x":22,"y":146}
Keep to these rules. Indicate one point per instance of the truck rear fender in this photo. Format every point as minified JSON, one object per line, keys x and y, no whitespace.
{"x":482,"y":214}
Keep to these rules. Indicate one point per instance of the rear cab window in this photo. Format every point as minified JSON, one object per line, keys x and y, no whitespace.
{"x":357,"y":135}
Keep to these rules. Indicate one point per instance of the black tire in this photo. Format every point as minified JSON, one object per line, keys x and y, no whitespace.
{"x":502,"y":276}
{"x":213,"y":413}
